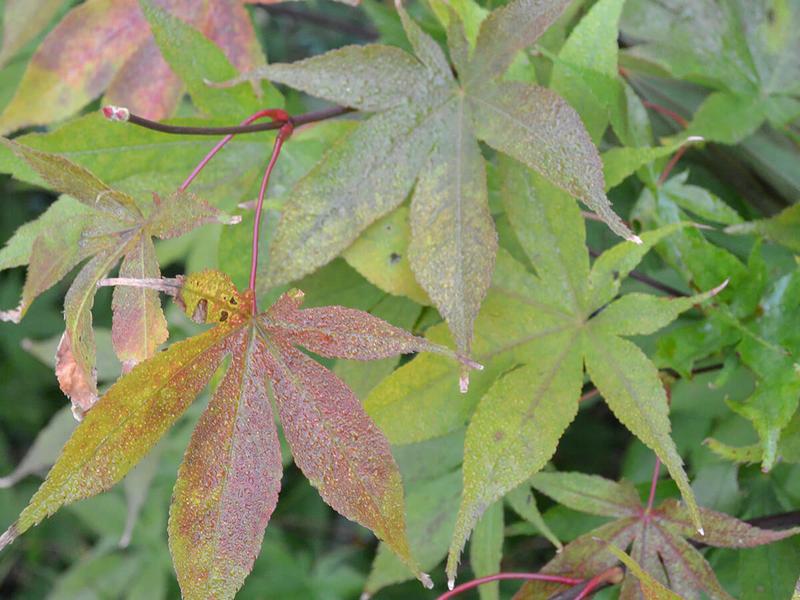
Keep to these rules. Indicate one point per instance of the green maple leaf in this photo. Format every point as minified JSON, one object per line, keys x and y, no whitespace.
{"x":752,"y":317}
{"x":228,"y":484}
{"x":657,"y":540}
{"x":783,"y":228}
{"x":100,"y":227}
{"x":424,"y":137}
{"x":747,"y":50}
{"x":534,"y":335}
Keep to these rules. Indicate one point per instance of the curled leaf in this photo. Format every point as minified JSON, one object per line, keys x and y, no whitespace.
{"x":78,"y":385}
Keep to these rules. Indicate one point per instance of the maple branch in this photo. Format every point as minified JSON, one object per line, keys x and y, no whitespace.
{"x":283,"y":134}
{"x":657,"y":285}
{"x":647,"y":280}
{"x":503,"y":576}
{"x":116,"y":113}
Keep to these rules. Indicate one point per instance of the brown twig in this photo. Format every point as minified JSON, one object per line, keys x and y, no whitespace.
{"x":121,"y":114}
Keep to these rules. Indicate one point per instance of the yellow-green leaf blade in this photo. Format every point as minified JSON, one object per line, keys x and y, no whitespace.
{"x":124,"y":425}
{"x":516,"y":428}
{"x":486,"y":549}
{"x":69,"y":178}
{"x":453,"y":241}
{"x":630,"y":385}
{"x":643,"y":314}
{"x":592,"y":45}
{"x":617,"y":262}
{"x":550,"y":228}
{"x":421,"y":399}
{"x":537,"y":127}
{"x":508,"y":30}
{"x":371,"y":77}
{"x":381,"y":256}
{"x":362,"y":177}
{"x":194,"y":58}
{"x":65,"y":214}
{"x":589,"y":493}
{"x":23,"y":20}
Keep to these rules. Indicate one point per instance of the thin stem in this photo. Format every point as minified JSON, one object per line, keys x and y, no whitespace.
{"x":671,"y":164}
{"x":501,"y":576}
{"x":284,"y":133}
{"x":121,"y":114}
{"x":657,"y":285}
{"x":269,"y":113}
{"x":592,"y":393}
{"x":653,"y":483}
{"x":682,"y":123}
{"x":612,"y":576}
{"x":663,"y":110}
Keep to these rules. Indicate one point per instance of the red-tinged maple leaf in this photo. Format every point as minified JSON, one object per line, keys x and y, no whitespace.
{"x":106,"y":45}
{"x":228,"y":484}
{"x":658,"y":539}
{"x":105,"y":226}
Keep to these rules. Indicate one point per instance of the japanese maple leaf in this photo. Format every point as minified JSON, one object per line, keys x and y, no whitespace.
{"x":107,"y":45}
{"x":95,"y":222}
{"x":754,"y":317}
{"x":424,"y":137}
{"x":535,"y":334}
{"x":658,"y":538}
{"x":228,"y":484}
{"x":745,"y":50}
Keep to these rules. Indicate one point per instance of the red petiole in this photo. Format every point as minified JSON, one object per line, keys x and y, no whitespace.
{"x":501,"y":576}
{"x":283,"y":134}
{"x":282,"y":121}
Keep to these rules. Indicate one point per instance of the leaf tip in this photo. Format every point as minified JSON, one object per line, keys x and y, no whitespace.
{"x":468,"y":362}
{"x":426,"y":581}
{"x":719,"y":288}
{"x":9,"y":536}
{"x":116,"y":113}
